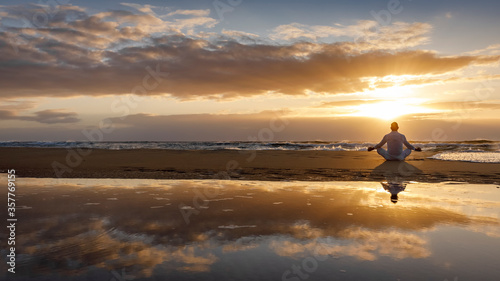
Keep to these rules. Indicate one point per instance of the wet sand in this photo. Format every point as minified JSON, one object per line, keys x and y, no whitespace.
{"x":240,"y":165}
{"x":100,"y":229}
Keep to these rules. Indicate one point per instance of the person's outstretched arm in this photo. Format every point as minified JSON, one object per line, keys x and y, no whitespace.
{"x":379,"y":145}
{"x":407,"y":144}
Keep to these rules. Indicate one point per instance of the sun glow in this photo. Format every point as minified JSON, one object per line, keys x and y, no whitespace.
{"x":390,"y":109}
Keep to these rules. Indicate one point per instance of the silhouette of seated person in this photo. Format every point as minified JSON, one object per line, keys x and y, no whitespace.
{"x":395,"y":141}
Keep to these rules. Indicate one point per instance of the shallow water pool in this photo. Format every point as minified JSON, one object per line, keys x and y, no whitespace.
{"x":119,"y":229}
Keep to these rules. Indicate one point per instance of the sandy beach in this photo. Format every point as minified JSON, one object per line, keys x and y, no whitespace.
{"x":239,"y":165}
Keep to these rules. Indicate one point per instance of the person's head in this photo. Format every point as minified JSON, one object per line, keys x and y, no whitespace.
{"x":394,"y":126}
{"x":394,"y":198}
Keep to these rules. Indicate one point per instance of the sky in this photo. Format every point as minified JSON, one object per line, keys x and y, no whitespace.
{"x":228,"y":70}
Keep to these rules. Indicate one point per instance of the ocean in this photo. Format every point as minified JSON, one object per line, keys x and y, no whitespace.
{"x":483,"y":151}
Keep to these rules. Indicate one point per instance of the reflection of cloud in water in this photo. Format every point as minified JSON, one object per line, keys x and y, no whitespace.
{"x":115,"y":249}
{"x":61,"y":231}
{"x":242,"y":244}
{"x":488,"y":226}
{"x":363,"y":244}
{"x":392,"y":243}
{"x":303,"y":230}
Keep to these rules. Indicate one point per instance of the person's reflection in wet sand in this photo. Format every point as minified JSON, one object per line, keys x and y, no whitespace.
{"x":397,"y":174}
{"x":394,"y":188}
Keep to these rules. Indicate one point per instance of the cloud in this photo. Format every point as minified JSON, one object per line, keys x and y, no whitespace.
{"x":17,"y":105}
{"x":243,"y":127}
{"x":464,"y":105}
{"x":147,"y":9}
{"x":280,"y":126}
{"x":236,"y":34}
{"x":198,"y":13}
{"x":200,"y":68}
{"x":50,"y":116}
{"x":141,"y":52}
{"x":298,"y":31}
{"x":491,"y":49}
{"x":346,"y":103}
{"x":103,"y":29}
{"x":429,"y":80}
{"x":38,"y":15}
{"x":368,"y":34}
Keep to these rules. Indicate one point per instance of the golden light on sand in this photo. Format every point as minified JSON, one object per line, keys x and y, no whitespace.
{"x":387,"y":110}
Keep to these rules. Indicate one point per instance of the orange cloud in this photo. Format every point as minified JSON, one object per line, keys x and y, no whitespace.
{"x":463,"y":105}
{"x":346,"y":103}
{"x":107,"y":53}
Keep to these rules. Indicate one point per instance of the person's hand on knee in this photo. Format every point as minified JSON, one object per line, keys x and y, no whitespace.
{"x":371,"y":148}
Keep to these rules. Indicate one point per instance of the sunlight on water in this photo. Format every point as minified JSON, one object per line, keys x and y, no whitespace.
{"x":99,"y":229}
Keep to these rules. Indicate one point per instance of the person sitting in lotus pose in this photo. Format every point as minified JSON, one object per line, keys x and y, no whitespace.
{"x":395,"y":141}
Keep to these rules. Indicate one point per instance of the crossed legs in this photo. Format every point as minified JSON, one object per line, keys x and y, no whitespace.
{"x":389,"y":157}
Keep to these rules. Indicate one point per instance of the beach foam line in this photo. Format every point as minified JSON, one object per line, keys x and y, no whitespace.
{"x":477,"y":157}
{"x":480,"y":145}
